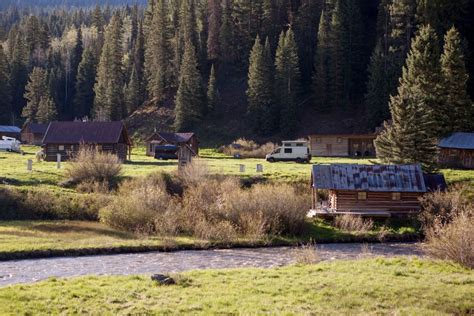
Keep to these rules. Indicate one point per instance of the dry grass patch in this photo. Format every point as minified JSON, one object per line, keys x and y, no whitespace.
{"x":353,"y":223}
{"x":248,"y":149}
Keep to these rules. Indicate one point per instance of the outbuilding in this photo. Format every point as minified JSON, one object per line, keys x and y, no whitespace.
{"x":33,"y":133}
{"x":176,"y":139}
{"x":10,"y":131}
{"x":457,"y":150}
{"x":65,"y":138}
{"x":342,"y":145}
{"x":368,"y":190}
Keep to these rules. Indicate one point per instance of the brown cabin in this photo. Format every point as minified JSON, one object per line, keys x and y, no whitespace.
{"x":177,"y":139}
{"x":10,"y":131}
{"x":65,"y":138}
{"x":33,"y":133}
{"x":368,"y":190}
{"x":342,"y":145}
{"x":457,"y":151}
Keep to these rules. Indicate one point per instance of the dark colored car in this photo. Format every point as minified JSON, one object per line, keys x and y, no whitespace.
{"x":166,"y":152}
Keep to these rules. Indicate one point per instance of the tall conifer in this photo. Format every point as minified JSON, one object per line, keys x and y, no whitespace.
{"x":212,"y":91}
{"x":84,"y":97}
{"x":5,"y":97}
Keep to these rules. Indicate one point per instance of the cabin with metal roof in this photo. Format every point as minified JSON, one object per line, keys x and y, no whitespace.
{"x":368,"y":190}
{"x":33,"y":133}
{"x":65,"y":138}
{"x":10,"y":131}
{"x":175,"y":139}
{"x":457,"y":151}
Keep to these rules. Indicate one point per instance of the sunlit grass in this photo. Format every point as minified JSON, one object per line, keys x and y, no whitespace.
{"x":372,"y":286}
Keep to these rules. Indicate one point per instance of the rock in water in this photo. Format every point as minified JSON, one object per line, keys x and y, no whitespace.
{"x":163,"y":279}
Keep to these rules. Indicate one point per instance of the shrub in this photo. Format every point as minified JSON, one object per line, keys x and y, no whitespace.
{"x":138,"y":204}
{"x":443,"y":206}
{"x":453,"y":240}
{"x":248,"y":149}
{"x":306,"y":254}
{"x":353,"y":223}
{"x":90,"y":164}
{"x":47,"y":205}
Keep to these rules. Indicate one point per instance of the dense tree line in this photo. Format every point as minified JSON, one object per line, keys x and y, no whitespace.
{"x":330,"y":55}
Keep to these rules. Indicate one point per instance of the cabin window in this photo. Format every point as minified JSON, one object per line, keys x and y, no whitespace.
{"x":288,"y":150}
{"x":362,"y":196}
{"x":61,"y":147}
{"x":396,"y":196}
{"x":339,"y":140}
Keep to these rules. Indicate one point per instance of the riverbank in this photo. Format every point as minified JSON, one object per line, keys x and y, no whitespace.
{"x":44,"y":239}
{"x":369,"y":286}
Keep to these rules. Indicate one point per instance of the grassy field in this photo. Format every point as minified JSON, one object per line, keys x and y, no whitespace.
{"x":371,"y":286}
{"x":13,"y":168}
{"x":30,"y":239}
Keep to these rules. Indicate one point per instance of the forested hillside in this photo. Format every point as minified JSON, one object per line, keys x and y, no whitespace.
{"x":228,"y":68}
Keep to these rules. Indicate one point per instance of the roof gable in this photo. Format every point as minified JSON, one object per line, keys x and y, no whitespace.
{"x":377,"y":178}
{"x":172,"y":137}
{"x":36,"y":128}
{"x":85,"y":132}
{"x":458,"y":141}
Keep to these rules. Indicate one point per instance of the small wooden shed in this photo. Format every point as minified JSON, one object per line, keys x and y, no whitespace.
{"x":457,"y":150}
{"x":33,"y":133}
{"x":368,"y":190}
{"x":10,"y":131}
{"x":65,"y":138}
{"x":177,"y":139}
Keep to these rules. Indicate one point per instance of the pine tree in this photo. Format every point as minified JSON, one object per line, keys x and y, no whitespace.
{"x":458,"y":114}
{"x":321,"y":81}
{"x":36,"y":90}
{"x":132,"y":91}
{"x":442,"y":14}
{"x":158,"y":52}
{"x":287,"y":80}
{"x":84,"y":97}
{"x":5,"y":100}
{"x":71,"y":76}
{"x":190,"y":98}
{"x":46,"y":110}
{"x":215,"y":15}
{"x":18,"y":75}
{"x":411,"y":137}
{"x":226,"y":37}
{"x":139,"y":65}
{"x":212,"y":91}
{"x":109,"y":103}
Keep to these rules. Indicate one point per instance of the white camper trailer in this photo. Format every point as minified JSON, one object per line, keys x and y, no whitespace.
{"x":9,"y":144}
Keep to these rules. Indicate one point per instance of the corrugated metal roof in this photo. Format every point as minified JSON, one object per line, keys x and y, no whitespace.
{"x":173,"y":138}
{"x":458,"y":141}
{"x":379,"y":178}
{"x":87,"y":132}
{"x":9,"y":129}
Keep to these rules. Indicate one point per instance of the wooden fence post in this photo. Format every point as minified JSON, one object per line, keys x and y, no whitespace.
{"x":259,"y":168}
{"x":58,"y":161}
{"x":29,"y":165}
{"x":242,"y":168}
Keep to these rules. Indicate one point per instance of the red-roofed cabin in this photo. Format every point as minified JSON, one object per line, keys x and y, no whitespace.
{"x":65,"y":138}
{"x":176,"y":139}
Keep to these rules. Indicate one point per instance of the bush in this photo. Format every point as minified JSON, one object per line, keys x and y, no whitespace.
{"x":453,"y":240}
{"x":138,"y":204}
{"x":90,"y":164}
{"x":47,"y":205}
{"x":442,"y":207}
{"x":353,"y":223}
{"x":248,"y":149}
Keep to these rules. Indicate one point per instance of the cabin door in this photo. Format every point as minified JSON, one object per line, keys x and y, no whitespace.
{"x":329,"y":149}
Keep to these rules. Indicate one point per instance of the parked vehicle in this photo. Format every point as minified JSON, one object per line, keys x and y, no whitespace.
{"x":166,"y":152}
{"x":9,"y":144}
{"x":291,"y":151}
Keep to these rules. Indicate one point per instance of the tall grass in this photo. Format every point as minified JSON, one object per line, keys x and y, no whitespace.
{"x":352,"y":223}
{"x":248,"y":149}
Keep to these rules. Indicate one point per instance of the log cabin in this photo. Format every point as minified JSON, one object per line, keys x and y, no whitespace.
{"x":65,"y":138}
{"x":33,"y":133}
{"x":342,"y":145}
{"x":457,"y":151}
{"x":177,"y":139}
{"x":368,"y":190}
